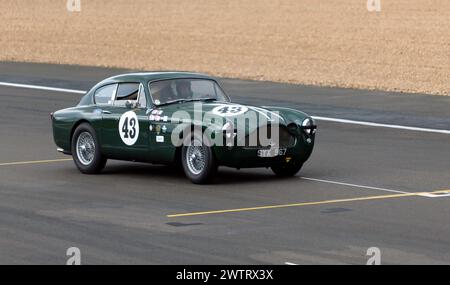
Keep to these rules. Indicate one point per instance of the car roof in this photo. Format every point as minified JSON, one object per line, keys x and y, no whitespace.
{"x":153,"y":76}
{"x":142,"y":77}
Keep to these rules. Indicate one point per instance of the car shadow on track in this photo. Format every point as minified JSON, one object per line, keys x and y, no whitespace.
{"x":225,"y":176}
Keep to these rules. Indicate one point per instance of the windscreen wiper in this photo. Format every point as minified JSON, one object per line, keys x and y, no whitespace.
{"x":172,"y":102}
{"x":202,"y":99}
{"x":186,"y":100}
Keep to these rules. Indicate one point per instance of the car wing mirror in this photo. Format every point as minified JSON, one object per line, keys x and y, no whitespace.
{"x":130,"y":104}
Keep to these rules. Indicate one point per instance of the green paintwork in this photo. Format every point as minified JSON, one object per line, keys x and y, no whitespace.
{"x":105,"y":120}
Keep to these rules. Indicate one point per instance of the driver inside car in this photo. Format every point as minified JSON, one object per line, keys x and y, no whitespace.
{"x":184,"y":90}
{"x":162,"y":92}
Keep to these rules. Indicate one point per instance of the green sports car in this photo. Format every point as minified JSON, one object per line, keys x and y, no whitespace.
{"x":181,"y":119}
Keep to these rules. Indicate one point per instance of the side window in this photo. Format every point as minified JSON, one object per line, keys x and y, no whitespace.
{"x":142,"y":98}
{"x":105,"y":94}
{"x":125,"y":92}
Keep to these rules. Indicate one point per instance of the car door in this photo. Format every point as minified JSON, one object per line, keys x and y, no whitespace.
{"x":125,"y":124}
{"x":162,"y":149}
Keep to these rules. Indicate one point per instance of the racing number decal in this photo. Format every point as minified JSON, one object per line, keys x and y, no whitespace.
{"x":229,"y":110}
{"x":129,"y":132}
{"x":129,"y":128}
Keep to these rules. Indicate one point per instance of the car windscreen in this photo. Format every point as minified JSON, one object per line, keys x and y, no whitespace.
{"x":166,"y":91}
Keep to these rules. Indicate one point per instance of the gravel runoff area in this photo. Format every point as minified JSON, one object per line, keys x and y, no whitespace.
{"x":404,"y":47}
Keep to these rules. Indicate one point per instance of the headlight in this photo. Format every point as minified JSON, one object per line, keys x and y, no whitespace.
{"x":308,"y":126}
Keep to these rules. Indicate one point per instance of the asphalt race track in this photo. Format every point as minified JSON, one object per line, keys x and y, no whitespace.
{"x":353,"y":194}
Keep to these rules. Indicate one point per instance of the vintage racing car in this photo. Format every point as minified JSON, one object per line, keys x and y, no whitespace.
{"x":181,"y":119}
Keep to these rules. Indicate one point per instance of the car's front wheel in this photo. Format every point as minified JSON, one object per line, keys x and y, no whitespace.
{"x":86,"y":150}
{"x":287,"y":169}
{"x":198,"y":161}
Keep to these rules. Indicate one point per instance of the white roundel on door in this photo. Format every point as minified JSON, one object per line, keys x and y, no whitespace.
{"x":229,"y":110}
{"x":129,"y":128}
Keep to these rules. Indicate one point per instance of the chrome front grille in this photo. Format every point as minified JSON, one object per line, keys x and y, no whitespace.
{"x":263,"y":138}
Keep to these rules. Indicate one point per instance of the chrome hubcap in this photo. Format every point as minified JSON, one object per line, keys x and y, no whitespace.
{"x":85,"y":148}
{"x":195,"y":157}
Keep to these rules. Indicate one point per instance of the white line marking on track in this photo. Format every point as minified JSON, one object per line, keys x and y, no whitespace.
{"x":354,"y":185}
{"x":42,"y":88}
{"x":34,"y":161}
{"x":319,"y":118}
{"x":435,"y":195}
{"x":290,"y":263}
{"x":371,"y":124}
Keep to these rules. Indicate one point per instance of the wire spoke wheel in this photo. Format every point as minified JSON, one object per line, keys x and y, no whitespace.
{"x":198,"y":160}
{"x":85,"y":148}
{"x":196,"y":157}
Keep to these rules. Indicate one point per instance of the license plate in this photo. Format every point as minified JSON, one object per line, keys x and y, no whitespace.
{"x":271,"y":152}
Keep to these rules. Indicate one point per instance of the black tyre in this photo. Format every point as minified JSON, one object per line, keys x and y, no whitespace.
{"x":86,"y":150}
{"x":287,"y":169}
{"x":198,"y":161}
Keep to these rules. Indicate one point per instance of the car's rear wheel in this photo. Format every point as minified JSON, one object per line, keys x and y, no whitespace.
{"x":86,"y":150}
{"x":198,"y":161}
{"x":287,"y":169}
